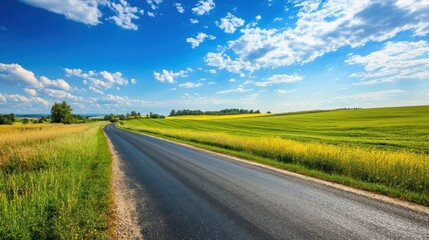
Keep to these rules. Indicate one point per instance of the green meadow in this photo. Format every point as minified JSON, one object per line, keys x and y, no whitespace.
{"x":54,"y":182}
{"x":383,"y":150}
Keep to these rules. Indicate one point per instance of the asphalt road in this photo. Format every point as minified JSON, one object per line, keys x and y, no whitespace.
{"x":185,"y":193}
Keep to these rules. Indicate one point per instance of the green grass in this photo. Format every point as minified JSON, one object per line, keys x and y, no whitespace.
{"x":383,"y":150}
{"x":56,"y":188}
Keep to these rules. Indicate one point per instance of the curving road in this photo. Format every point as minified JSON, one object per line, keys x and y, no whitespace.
{"x":184,"y":193}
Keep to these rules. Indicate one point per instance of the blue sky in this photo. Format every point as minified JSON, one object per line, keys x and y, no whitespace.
{"x":115,"y":56}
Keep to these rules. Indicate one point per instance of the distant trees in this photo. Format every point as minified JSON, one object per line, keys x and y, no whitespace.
{"x":221,"y":112}
{"x":25,"y":121}
{"x":7,"y":119}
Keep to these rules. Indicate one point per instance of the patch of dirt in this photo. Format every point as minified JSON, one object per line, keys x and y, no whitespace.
{"x":124,"y":198}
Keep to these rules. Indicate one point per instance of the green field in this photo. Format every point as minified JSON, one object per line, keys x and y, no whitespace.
{"x":383,"y":150}
{"x":54,"y":182}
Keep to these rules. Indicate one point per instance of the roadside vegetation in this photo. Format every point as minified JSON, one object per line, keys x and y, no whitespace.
{"x":383,"y":150}
{"x":54,"y":181}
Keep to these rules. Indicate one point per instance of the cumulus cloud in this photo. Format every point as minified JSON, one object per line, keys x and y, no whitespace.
{"x":179,"y":7}
{"x":14,"y":74}
{"x":235,"y":90}
{"x":31,"y":92}
{"x":395,"y":61}
{"x":19,"y":100}
{"x":133,"y":80}
{"x":88,"y":11}
{"x":98,"y":81}
{"x":154,"y":4}
{"x":323,"y":27}
{"x":203,"y":7}
{"x":168,"y":76}
{"x":194,"y":21}
{"x":278,"y":79}
{"x":190,"y":85}
{"x":124,"y":14}
{"x":200,"y":38}
{"x":57,"y":84}
{"x":77,"y":10}
{"x":230,"y":23}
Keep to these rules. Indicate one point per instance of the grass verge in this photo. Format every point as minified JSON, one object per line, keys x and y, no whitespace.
{"x":53,"y":186}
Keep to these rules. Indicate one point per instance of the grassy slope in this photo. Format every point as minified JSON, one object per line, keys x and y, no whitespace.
{"x":393,"y":143}
{"x":53,"y":186}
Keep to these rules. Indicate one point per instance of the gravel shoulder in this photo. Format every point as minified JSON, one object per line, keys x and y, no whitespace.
{"x":126,"y":220}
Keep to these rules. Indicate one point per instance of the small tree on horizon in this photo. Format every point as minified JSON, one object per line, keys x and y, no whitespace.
{"x":61,"y":113}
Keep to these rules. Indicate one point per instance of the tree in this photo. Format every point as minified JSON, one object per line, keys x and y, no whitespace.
{"x":25,"y":120}
{"x":61,"y":113}
{"x":257,"y":111}
{"x":173,"y":113}
{"x":7,"y":118}
{"x":110,"y":117}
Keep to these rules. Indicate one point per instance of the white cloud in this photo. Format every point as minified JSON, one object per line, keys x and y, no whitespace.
{"x":150,"y":14}
{"x":278,"y":19}
{"x":278,"y":79}
{"x":211,"y":83}
{"x":323,"y":27}
{"x":190,"y":85}
{"x":61,"y":94}
{"x":98,"y":81}
{"x":14,"y":74}
{"x":230,"y":23}
{"x":284,"y":91}
{"x":57,"y":84}
{"x":114,"y":78}
{"x":168,"y":76}
{"x":133,"y":80}
{"x":379,"y":95}
{"x":203,"y":7}
{"x":77,"y":10}
{"x":31,"y":92}
{"x":88,"y":11}
{"x":179,"y":7}
{"x":395,"y":61}
{"x":257,"y":18}
{"x":236,"y":90}
{"x":19,"y":100}
{"x":200,"y":38}
{"x":194,"y":21}
{"x":154,"y":4}
{"x":212,"y":71}
{"x":124,"y":14}
{"x":232,"y":80}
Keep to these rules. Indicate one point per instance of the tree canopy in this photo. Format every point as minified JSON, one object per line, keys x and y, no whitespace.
{"x":61,"y":113}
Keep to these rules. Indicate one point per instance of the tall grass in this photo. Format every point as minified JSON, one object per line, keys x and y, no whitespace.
{"x":54,"y":182}
{"x":404,"y":172}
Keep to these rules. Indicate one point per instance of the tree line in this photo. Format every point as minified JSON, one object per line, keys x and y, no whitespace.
{"x":114,"y":118}
{"x":220,"y":112}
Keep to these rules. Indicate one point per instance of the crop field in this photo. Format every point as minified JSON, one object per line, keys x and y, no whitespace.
{"x":383,"y":150}
{"x":54,"y":182}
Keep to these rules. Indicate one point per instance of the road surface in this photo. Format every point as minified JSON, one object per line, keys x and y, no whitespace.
{"x":184,"y":193}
